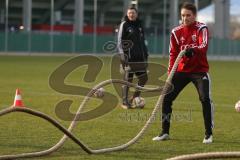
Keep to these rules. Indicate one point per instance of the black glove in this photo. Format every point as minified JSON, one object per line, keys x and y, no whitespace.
{"x":189,"y":52}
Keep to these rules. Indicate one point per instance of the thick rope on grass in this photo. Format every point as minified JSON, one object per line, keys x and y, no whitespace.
{"x":68,"y":132}
{"x":209,"y":155}
{"x":61,"y":128}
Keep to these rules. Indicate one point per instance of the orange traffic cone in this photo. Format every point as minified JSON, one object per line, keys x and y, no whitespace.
{"x":18,"y":99}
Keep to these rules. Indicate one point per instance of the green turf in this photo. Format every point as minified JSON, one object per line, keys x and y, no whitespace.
{"x":24,"y":133}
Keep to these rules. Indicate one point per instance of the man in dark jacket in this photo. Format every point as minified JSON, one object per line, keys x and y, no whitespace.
{"x":133,"y":53}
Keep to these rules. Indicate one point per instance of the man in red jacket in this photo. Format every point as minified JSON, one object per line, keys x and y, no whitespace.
{"x":191,"y":36}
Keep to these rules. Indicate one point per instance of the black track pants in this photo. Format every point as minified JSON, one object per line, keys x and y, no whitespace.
{"x":202,"y":83}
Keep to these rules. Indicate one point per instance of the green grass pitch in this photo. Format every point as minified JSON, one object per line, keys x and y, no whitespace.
{"x":20,"y":132}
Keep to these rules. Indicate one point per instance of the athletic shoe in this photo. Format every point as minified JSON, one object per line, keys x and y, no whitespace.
{"x":126,"y":105}
{"x":162,"y":137}
{"x":208,"y":139}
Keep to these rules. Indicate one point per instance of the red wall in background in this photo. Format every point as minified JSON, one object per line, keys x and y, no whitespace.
{"x":69,"y":28}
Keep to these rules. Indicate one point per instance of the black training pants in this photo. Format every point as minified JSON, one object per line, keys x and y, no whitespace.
{"x":142,"y":79}
{"x":203,"y":84}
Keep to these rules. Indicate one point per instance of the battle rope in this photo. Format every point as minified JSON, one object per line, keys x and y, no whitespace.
{"x":60,"y":127}
{"x":76,"y":118}
{"x":209,"y":155}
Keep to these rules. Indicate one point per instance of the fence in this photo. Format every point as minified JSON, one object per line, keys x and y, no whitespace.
{"x":70,"y":43}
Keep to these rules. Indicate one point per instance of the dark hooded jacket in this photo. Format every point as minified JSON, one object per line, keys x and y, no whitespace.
{"x":131,"y":40}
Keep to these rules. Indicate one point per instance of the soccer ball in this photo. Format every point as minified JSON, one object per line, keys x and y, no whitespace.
{"x":99,"y":93}
{"x":138,"y":102}
{"x":237,"y":106}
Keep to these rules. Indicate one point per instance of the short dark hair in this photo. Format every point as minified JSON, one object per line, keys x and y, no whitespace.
{"x":132,"y":8}
{"x":189,"y":6}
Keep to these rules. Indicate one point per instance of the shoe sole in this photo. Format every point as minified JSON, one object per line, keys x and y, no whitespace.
{"x":161,"y":139}
{"x":207,"y":142}
{"x":164,"y":139}
{"x":125,"y":107}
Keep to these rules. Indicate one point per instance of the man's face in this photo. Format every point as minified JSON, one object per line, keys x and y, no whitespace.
{"x":187,"y":17}
{"x":132,"y":14}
